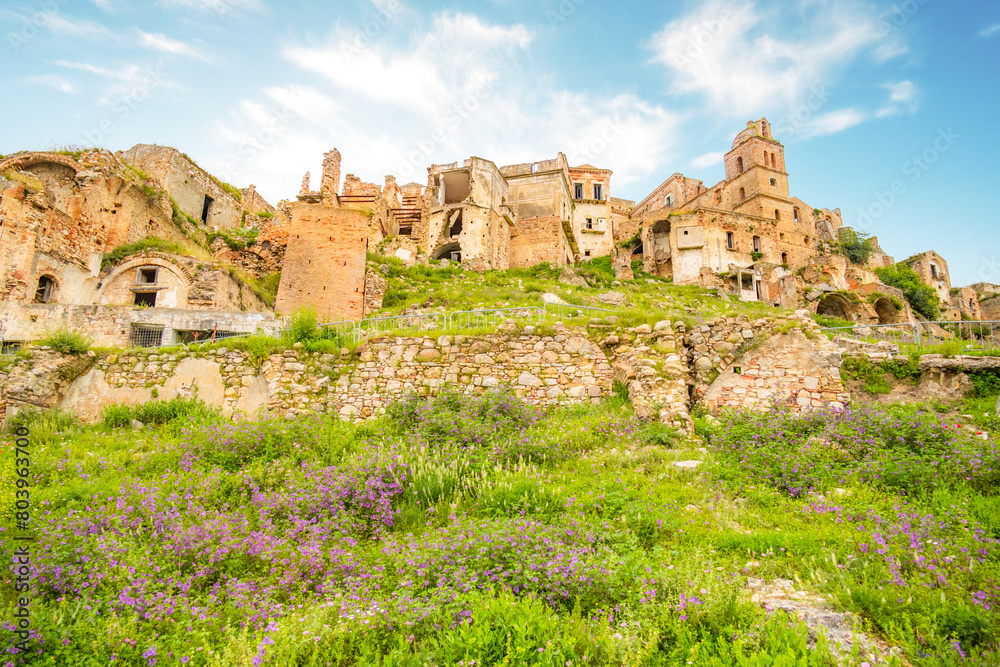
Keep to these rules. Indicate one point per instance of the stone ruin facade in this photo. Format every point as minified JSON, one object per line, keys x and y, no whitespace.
{"x":747,"y":237}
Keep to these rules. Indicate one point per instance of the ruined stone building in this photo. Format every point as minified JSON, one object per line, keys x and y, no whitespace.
{"x":146,"y":247}
{"x":60,"y":217}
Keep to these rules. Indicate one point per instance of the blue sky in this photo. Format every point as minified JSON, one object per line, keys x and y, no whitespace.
{"x":886,"y":110}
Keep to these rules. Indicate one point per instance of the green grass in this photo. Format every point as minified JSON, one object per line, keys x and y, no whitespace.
{"x":116,"y":255}
{"x":67,"y":341}
{"x":649,"y":299}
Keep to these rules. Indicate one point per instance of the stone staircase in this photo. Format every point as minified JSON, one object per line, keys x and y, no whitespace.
{"x":408,"y":214}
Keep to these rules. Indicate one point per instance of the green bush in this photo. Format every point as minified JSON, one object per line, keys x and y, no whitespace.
{"x":157,"y":412}
{"x":67,"y":341}
{"x":854,"y":246}
{"x":304,"y":325}
{"x":152,"y":243}
{"x":920,"y":296}
{"x":986,"y":383}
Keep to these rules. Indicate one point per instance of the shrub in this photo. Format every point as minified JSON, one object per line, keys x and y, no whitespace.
{"x":920,"y":296}
{"x":67,"y":341}
{"x":986,"y":383}
{"x":854,"y":246}
{"x":157,"y":412}
{"x":304,"y":325}
{"x":152,"y":243}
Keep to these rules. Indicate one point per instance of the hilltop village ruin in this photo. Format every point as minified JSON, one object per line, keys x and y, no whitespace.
{"x":69,"y":224}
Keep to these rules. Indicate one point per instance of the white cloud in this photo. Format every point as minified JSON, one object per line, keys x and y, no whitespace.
{"x":459,"y":55}
{"x":129,"y":82}
{"x":707,"y":160}
{"x":60,"y":83}
{"x":461,"y":87}
{"x":989,"y":31}
{"x":166,"y":45}
{"x":742,"y":59}
{"x":103,"y":4}
{"x":221,"y":7}
{"x":902,"y":98}
{"x":831,"y":122}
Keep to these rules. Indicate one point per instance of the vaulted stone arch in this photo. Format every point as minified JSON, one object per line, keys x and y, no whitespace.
{"x":23,"y":161}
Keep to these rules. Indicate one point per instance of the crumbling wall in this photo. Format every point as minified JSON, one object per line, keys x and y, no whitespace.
{"x":537,"y":240}
{"x":797,"y":368}
{"x":544,"y":370}
{"x":196,"y":192}
{"x":325,"y":262}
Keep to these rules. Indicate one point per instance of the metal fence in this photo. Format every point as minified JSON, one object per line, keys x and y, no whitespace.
{"x":152,"y":336}
{"x":373,"y":326}
{"x":573,"y":310}
{"x":895,"y":338}
{"x":492,"y":317}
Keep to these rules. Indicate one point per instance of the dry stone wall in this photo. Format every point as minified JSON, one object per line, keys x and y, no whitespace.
{"x":544,"y":370}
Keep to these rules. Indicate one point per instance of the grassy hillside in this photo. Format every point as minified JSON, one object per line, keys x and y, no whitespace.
{"x":465,"y":531}
{"x":451,"y":289}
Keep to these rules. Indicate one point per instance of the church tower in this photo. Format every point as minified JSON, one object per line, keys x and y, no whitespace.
{"x":755,"y":173}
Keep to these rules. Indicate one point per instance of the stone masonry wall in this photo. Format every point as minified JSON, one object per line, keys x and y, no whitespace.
{"x":544,"y":370}
{"x":325,"y":262}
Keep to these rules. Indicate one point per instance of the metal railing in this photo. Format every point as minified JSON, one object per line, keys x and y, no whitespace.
{"x":422,"y":322}
{"x":580,"y":311}
{"x":895,"y":338}
{"x":152,"y":336}
{"x":469,"y":319}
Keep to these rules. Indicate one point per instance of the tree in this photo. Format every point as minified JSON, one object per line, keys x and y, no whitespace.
{"x":854,"y":246}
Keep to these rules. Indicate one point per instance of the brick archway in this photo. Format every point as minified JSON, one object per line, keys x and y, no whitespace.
{"x":21,"y":161}
{"x":135,"y":261}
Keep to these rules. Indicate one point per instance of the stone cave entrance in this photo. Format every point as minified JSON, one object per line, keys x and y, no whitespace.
{"x":834,"y":305}
{"x":449,"y":251}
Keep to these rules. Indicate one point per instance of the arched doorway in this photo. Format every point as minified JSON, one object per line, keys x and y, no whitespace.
{"x":834,"y":305}
{"x":887,"y":311}
{"x":449,"y":251}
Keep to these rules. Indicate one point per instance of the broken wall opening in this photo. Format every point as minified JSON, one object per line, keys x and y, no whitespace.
{"x":449,"y":251}
{"x":457,"y":186}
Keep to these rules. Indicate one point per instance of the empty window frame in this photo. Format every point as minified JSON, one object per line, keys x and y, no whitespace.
{"x":756,"y":244}
{"x":578,"y":191}
{"x":146,"y":275}
{"x":730,"y":241}
{"x":774,"y":182}
{"x":589,"y":223}
{"x":739,"y":165}
{"x":598,"y":192}
{"x":46,"y":289}
{"x":145,"y":299}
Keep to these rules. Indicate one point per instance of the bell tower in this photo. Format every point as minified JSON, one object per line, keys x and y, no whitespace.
{"x":755,"y":172}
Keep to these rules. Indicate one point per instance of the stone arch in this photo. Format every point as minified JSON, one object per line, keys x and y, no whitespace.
{"x":739,"y":165}
{"x":835,"y":305}
{"x":133,"y":263}
{"x":444,"y":251}
{"x":21,"y":161}
{"x":887,"y":311}
{"x":637,"y":249}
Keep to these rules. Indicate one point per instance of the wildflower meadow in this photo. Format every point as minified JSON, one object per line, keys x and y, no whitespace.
{"x":463,"y":530}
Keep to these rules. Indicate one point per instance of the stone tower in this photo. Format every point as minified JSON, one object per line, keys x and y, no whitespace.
{"x":755,"y":172}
